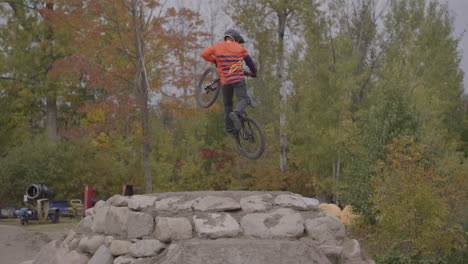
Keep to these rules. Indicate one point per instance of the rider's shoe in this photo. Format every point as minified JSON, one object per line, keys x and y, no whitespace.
{"x":231,"y":132}
{"x":235,"y":120}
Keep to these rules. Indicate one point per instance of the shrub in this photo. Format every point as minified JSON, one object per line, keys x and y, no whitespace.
{"x":411,"y":204}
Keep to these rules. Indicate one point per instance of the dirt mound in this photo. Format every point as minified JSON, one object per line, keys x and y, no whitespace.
{"x":18,"y":244}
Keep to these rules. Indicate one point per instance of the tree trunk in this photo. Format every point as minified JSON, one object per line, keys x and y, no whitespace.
{"x":51,"y":122}
{"x":282,"y":17}
{"x":51,"y":99}
{"x":336,"y":168}
{"x":142,"y":90}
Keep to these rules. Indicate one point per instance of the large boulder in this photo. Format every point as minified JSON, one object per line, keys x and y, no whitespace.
{"x":91,"y":244}
{"x":296,"y":202}
{"x":172,"y":228}
{"x":127,"y":259}
{"x":281,"y":223}
{"x":120,"y":247}
{"x":86,"y":225}
{"x":240,"y":251}
{"x":102,"y":256}
{"x":118,"y":200}
{"x":326,"y":230}
{"x":216,"y":204}
{"x":146,"y":248}
{"x":333,"y":253}
{"x":139,"y":225}
{"x":169,"y":204}
{"x":256,"y":203}
{"x":110,"y":220}
{"x":216,"y":225}
{"x":352,"y":252}
{"x":141,"y":202}
{"x":69,"y":238}
{"x":73,"y":257}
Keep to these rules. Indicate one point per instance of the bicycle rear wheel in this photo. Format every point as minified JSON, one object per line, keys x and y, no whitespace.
{"x":208,"y":88}
{"x":250,"y":139}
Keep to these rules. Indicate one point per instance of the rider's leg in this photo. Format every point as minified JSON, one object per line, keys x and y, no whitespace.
{"x":228,"y":93}
{"x":240,"y":89}
{"x":242,"y":98}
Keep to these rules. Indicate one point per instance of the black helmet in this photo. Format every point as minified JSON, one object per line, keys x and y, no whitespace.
{"x":234,"y":35}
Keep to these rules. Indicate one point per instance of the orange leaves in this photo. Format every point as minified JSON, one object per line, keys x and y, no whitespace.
{"x":185,"y":36}
{"x":219,"y":156}
{"x":101,"y":70}
{"x":171,"y":12}
{"x":152,"y":3}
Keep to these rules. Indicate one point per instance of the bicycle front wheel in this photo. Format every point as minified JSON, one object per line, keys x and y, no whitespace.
{"x":251,"y":139}
{"x":208,"y":88}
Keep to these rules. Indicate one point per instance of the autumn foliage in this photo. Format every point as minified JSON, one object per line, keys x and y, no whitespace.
{"x":371,"y":103}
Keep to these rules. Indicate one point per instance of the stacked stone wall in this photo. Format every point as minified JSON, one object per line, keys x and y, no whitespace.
{"x":206,"y":227}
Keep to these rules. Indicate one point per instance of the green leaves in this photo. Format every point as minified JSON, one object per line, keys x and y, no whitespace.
{"x":359,"y":84}
{"x":410,"y":201}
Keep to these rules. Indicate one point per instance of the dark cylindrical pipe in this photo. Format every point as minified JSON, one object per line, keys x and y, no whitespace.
{"x":38,"y":191}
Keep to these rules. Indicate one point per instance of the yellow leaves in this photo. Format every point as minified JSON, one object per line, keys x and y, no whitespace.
{"x":96,"y":117}
{"x":137,"y":130}
{"x":101,"y":142}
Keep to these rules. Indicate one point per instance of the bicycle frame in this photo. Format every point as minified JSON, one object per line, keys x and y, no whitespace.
{"x":209,"y":87}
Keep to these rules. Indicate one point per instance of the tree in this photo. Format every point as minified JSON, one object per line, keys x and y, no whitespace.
{"x":122,"y":57}
{"x":332,"y":69}
{"x":405,"y":100}
{"x":142,"y":85}
{"x":411,"y":202}
{"x":30,"y":47}
{"x":277,"y":16}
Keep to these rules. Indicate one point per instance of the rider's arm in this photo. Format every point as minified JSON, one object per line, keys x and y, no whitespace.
{"x":249,"y":62}
{"x":208,"y":54}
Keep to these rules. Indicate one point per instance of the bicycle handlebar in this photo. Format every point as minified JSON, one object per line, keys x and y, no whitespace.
{"x":249,"y":74}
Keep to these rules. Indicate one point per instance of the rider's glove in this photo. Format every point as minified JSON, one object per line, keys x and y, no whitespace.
{"x":253,"y":75}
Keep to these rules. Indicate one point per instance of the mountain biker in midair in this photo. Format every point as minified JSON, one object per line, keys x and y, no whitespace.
{"x":228,"y":56}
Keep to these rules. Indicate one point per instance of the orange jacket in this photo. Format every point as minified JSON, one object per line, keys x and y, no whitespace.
{"x":229,"y":56}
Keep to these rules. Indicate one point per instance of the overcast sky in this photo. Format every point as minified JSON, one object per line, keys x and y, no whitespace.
{"x":460,"y":9}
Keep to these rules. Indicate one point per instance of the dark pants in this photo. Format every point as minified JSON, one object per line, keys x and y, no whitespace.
{"x":240,"y":89}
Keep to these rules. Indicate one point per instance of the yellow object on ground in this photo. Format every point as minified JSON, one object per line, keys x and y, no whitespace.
{"x":42,"y":209}
{"x":347,"y":215}
{"x":76,"y":208}
{"x":331,"y":208}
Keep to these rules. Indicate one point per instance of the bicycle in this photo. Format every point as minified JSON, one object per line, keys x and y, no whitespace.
{"x":250,"y":139}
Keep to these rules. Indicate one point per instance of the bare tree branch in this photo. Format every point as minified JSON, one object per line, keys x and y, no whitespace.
{"x":150,"y":17}
{"x":126,"y":6}
{"x":161,"y":8}
{"x":9,"y":78}
{"x":331,"y":39}
{"x":372,"y":68}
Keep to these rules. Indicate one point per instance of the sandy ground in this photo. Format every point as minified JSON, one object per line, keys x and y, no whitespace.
{"x":18,"y":243}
